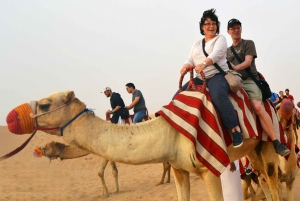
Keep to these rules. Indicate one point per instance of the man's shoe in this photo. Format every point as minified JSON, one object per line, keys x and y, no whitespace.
{"x":237,"y":140}
{"x":282,"y":150}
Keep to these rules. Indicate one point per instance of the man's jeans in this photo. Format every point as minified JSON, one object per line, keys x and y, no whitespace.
{"x":138,"y":116}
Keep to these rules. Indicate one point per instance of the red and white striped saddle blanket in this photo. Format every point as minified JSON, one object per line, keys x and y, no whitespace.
{"x":194,"y":115}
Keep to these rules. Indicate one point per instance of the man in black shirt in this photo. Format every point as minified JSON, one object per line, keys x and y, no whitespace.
{"x":116,"y":102}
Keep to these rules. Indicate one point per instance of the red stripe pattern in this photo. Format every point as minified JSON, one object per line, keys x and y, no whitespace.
{"x":193,"y":114}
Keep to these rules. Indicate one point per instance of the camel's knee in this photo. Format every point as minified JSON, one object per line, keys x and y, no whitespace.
{"x":101,"y":173}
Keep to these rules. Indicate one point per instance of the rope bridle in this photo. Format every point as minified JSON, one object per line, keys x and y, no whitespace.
{"x":61,"y":128}
{"x":33,"y":105}
{"x":52,"y":158}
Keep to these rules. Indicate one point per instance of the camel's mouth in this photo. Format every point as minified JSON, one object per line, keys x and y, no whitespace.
{"x":19,"y":120}
{"x":38,"y":152}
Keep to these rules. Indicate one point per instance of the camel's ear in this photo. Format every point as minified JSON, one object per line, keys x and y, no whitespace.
{"x":70,"y":95}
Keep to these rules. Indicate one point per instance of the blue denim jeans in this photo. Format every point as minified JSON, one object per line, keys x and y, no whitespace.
{"x":138,"y":116}
{"x":218,"y":90}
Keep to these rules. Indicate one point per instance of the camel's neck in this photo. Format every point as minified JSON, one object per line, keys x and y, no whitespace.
{"x":71,"y":152}
{"x":134,"y":144}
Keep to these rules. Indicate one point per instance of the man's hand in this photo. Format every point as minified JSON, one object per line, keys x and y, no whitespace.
{"x":234,"y":67}
{"x":107,"y":112}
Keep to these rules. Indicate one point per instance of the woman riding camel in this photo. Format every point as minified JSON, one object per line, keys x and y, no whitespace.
{"x":216,"y":48}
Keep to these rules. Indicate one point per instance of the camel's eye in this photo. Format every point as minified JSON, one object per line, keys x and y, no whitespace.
{"x":44,"y":107}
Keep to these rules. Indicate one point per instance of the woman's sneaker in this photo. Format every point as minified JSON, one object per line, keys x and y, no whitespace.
{"x":237,"y":139}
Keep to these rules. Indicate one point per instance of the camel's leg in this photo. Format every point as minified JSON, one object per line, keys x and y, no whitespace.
{"x":213,"y":185}
{"x":167,"y":168}
{"x":265,"y":189}
{"x":290,"y":191}
{"x":101,"y":175}
{"x":266,"y":162}
{"x":295,"y":132}
{"x":252,"y":191}
{"x":245,"y":189}
{"x":246,"y":184}
{"x":115,"y":174}
{"x":182,"y":182}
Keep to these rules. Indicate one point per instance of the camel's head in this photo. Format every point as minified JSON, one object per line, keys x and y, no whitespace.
{"x":51,"y":150}
{"x":52,"y":111}
{"x":286,"y":108}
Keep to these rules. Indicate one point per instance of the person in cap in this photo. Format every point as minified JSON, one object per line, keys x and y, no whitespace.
{"x":138,"y":103}
{"x":116,"y":102}
{"x":245,"y":49}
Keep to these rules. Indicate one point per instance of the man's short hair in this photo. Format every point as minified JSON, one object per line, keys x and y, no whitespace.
{"x":131,"y":85}
{"x":287,"y":90}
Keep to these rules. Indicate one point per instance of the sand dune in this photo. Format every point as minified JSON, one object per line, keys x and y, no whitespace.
{"x":24,"y":177}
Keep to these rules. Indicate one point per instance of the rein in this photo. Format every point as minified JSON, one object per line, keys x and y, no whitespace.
{"x":87,"y":110}
{"x":17,"y":150}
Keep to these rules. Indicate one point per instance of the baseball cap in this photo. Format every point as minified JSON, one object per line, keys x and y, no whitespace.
{"x":233,"y":21}
{"x":105,"y":89}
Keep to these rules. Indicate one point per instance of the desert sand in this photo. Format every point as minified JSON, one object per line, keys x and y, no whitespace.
{"x":25,"y":177}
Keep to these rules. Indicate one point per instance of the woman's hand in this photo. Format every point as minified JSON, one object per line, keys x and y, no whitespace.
{"x":184,"y":69}
{"x":199,"y":68}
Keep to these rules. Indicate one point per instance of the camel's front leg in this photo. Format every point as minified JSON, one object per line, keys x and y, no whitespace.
{"x":101,"y":175}
{"x":290,"y":191}
{"x":213,"y":185}
{"x":115,"y":174}
{"x":166,"y":168}
{"x":182,"y":182}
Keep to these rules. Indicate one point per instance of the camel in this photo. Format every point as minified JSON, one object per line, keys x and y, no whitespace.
{"x":153,"y":141}
{"x":288,"y":167}
{"x":54,"y":150}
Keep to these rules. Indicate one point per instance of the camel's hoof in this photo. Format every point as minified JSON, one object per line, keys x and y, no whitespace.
{"x":160,"y":183}
{"x":116,"y":191}
{"x":104,"y":196}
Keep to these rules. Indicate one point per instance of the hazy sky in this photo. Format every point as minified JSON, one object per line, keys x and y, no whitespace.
{"x":49,"y":46}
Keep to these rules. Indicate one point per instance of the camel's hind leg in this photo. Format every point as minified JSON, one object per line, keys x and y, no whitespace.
{"x":182,"y":182}
{"x":167,"y":168}
{"x":101,"y":175}
{"x":115,"y":174}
